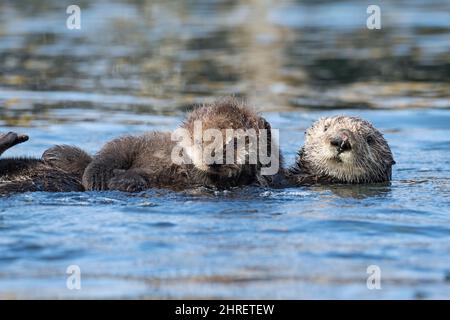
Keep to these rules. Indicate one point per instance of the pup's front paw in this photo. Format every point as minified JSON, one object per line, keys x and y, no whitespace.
{"x":68,"y":158}
{"x":127,"y":181}
{"x":96,"y":177}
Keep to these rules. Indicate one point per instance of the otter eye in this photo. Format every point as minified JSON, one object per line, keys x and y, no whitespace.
{"x":370,"y":140}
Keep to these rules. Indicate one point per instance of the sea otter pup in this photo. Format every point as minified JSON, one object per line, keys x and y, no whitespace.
{"x":342,"y":149}
{"x":59,"y":169}
{"x":135,"y":163}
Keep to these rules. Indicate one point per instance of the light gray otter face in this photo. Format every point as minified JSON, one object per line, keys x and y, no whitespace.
{"x":232,"y":121}
{"x":347,"y":150}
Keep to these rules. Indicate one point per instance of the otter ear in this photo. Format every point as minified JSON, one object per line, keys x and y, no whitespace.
{"x":393,"y":162}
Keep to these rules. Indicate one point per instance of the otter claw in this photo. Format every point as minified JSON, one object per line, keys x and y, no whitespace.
{"x":22,"y":138}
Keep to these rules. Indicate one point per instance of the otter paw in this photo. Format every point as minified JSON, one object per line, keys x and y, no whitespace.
{"x":96,"y":177}
{"x":127,"y":181}
{"x":68,"y":158}
{"x":11,"y":139}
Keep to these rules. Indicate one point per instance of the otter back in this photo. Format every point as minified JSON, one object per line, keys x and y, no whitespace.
{"x":28,"y":175}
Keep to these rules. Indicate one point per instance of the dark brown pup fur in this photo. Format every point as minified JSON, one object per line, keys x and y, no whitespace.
{"x":135,"y":163}
{"x":45,"y":174}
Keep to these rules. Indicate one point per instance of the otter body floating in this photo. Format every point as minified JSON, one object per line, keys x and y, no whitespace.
{"x":337,"y":150}
{"x":135,"y":163}
{"x":45,"y":174}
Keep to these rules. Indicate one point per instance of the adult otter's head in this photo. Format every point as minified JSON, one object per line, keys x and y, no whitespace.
{"x":345,"y":150}
{"x":223,"y":139}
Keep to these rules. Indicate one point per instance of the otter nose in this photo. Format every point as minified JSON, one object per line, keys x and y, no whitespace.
{"x":341,"y":142}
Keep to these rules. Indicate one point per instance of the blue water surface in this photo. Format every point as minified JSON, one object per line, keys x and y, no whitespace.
{"x":307,"y":242}
{"x":136,"y":66}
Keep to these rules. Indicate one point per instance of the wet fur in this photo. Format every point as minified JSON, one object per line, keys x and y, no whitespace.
{"x":28,"y":175}
{"x":369,"y":160}
{"x":135,"y":163}
{"x":45,"y":174}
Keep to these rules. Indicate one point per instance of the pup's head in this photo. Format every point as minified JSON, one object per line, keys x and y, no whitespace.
{"x":346,"y":150}
{"x":224,"y":136}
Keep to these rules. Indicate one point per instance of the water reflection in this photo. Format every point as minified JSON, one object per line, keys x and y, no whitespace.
{"x":169,"y":54}
{"x":376,"y":190}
